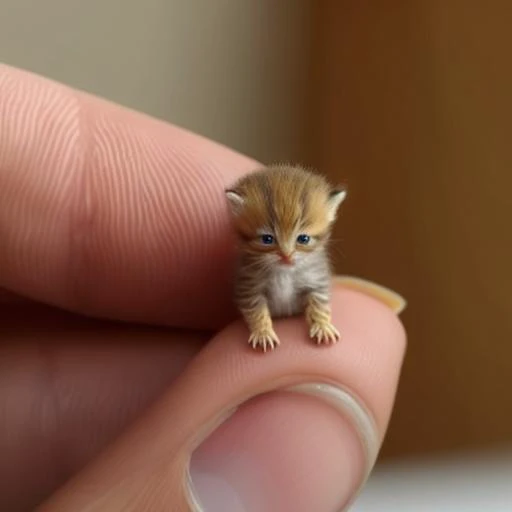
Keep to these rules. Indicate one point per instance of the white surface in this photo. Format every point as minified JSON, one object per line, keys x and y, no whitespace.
{"x":463,"y":483}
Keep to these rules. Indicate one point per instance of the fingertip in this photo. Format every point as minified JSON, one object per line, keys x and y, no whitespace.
{"x":247,"y":421}
{"x":109,"y":212}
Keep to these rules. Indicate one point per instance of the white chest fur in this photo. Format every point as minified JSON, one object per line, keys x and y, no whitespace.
{"x":283,"y":292}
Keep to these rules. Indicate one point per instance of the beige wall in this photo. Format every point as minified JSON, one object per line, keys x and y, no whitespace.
{"x":232,"y":70}
{"x":414,"y":107}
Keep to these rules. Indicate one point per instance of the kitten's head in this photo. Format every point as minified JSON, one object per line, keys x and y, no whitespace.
{"x":283,"y":213}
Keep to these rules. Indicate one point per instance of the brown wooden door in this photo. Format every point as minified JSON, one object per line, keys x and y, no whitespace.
{"x":412,"y":105}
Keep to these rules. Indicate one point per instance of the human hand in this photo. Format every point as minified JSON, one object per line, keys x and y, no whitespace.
{"x":108,"y":215}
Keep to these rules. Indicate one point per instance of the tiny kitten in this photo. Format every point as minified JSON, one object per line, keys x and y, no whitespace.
{"x":283,"y":217}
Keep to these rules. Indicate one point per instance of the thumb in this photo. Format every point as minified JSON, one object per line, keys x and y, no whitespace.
{"x":297,"y":429}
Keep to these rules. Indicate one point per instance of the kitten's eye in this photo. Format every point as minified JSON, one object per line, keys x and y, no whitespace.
{"x":267,"y":239}
{"x":303,"y":239}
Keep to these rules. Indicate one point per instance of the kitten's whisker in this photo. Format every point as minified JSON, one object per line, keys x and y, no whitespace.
{"x":339,"y":251}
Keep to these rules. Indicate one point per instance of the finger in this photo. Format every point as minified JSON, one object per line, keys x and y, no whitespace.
{"x":8,"y":297}
{"x":107,"y":212}
{"x":68,"y":387}
{"x":296,"y":429}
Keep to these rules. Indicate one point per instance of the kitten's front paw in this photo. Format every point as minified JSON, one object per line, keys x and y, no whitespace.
{"x":265,"y":339}
{"x":324,"y":332}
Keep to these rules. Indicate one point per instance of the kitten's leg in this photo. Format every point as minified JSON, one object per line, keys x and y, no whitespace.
{"x":318,"y":317}
{"x":259,"y":322}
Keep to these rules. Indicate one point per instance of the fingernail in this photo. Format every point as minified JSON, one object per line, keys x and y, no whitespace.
{"x":303,"y":448}
{"x":389,"y":297}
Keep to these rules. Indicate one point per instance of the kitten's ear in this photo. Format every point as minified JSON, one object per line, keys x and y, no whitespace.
{"x":336,"y":197}
{"x":235,"y":200}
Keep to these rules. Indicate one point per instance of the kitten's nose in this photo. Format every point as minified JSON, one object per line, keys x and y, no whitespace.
{"x":285,"y":258}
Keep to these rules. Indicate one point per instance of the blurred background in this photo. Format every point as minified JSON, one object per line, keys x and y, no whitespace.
{"x":409,"y":102}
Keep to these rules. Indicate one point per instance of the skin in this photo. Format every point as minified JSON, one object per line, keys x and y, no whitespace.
{"x":100,"y":415}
